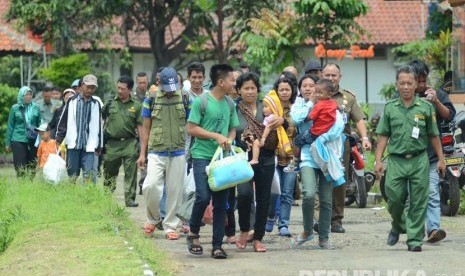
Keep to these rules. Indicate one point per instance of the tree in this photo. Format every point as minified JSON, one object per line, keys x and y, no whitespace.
{"x":67,"y":22}
{"x":331,"y":21}
{"x":222,"y":24}
{"x":433,"y":51}
{"x":273,"y":40}
{"x":276,"y":34}
{"x":63,"y":71}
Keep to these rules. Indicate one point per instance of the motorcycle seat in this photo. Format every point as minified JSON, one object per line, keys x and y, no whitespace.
{"x":448,"y":149}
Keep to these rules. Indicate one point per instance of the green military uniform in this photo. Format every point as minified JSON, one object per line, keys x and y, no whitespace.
{"x":408,"y":164}
{"x":347,"y":102}
{"x":122,"y":120}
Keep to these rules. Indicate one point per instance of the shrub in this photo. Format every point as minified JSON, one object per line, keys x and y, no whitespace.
{"x":63,"y":71}
{"x":8,"y":98}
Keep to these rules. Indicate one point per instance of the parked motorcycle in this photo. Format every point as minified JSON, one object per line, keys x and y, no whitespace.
{"x":453,"y":146}
{"x":360,"y":182}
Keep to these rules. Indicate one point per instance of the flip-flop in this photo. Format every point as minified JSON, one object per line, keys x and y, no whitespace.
{"x":298,"y":241}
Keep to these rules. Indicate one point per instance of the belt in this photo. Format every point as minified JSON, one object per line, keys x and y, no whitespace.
{"x":169,"y":153}
{"x":120,"y":139}
{"x":408,"y":155}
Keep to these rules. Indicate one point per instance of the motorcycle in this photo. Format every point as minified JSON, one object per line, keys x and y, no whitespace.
{"x":453,"y":143}
{"x":359,"y":181}
{"x":453,"y":146}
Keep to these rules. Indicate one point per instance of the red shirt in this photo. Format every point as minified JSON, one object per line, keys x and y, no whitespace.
{"x":323,"y":116}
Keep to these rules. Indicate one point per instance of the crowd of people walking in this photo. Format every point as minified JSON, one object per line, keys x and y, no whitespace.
{"x":173,"y":127}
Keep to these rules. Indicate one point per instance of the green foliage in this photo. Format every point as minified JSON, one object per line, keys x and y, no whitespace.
{"x":67,"y":21}
{"x":275,"y":34}
{"x":10,"y":72}
{"x":432,"y":51}
{"x":8,"y":98}
{"x":63,"y":71}
{"x":74,"y":230}
{"x":331,"y":21}
{"x":387,"y":91}
{"x":438,"y":21}
{"x":271,"y":43}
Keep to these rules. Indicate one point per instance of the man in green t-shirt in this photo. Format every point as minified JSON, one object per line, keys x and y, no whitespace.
{"x":213,"y":126}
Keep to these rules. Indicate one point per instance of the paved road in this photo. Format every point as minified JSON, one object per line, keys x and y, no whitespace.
{"x":362,"y":250}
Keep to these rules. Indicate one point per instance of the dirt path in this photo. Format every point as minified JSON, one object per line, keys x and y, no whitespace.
{"x":362,"y":250}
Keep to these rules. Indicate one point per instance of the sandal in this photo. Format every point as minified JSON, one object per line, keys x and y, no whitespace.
{"x":218,"y":253}
{"x":299,"y":241}
{"x":258,"y":246}
{"x":172,"y":236}
{"x":149,"y":229}
{"x":195,"y":249}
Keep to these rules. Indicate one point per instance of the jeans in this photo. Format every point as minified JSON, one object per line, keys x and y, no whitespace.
{"x":287,"y":181}
{"x":263,"y":176}
{"x":202,"y":200}
{"x":80,"y":159}
{"x":313,"y":180}
{"x":433,"y":213}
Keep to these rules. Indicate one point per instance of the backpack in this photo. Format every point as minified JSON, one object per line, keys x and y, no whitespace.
{"x":185,"y":102}
{"x":204,"y":102}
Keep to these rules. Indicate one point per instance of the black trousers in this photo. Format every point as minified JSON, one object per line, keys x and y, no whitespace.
{"x":263,"y":176}
{"x":24,"y":158}
{"x":230,"y":228}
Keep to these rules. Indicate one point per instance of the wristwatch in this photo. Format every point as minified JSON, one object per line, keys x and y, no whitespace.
{"x":365,"y":138}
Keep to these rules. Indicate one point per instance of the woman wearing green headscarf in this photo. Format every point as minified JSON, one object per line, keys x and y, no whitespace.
{"x":24,"y":115}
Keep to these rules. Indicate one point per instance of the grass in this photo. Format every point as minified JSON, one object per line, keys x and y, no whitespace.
{"x":70,"y":229}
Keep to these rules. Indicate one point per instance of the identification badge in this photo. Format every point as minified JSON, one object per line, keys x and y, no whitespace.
{"x":415,"y":132}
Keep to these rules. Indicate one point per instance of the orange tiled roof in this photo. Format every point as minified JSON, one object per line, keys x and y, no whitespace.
{"x":394,"y":22}
{"x":10,"y":39}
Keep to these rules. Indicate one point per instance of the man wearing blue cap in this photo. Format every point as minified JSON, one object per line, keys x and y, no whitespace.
{"x":163,"y":136}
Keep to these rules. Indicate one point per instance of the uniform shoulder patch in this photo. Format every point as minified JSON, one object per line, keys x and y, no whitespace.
{"x":349,"y":92}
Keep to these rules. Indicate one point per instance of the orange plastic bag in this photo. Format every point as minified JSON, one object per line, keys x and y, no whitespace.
{"x":208,"y":215}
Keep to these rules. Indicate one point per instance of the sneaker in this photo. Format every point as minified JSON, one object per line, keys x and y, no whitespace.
{"x":323,"y":244}
{"x":436,"y":235}
{"x":284,"y":232}
{"x":269,"y":225}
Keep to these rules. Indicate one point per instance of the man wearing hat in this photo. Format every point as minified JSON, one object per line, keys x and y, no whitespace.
{"x":163,"y":137}
{"x":313,"y":68}
{"x":81,"y":124}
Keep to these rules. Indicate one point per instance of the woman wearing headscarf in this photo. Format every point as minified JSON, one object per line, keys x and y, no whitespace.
{"x":20,"y":134}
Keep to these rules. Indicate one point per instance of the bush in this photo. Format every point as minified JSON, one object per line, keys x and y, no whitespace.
{"x":63,"y":71}
{"x":8,"y":98}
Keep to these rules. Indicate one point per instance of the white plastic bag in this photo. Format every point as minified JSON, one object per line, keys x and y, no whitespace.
{"x":55,"y":169}
{"x":275,"y":184}
{"x":189,"y":183}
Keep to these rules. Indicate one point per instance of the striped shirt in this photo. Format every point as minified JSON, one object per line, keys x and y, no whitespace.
{"x":83,"y":112}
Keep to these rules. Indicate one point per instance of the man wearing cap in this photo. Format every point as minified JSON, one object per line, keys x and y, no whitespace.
{"x":122,"y":118}
{"x":313,"y":68}
{"x":81,"y":124}
{"x":47,"y":105}
{"x":163,"y":136}
{"x":347,"y":102}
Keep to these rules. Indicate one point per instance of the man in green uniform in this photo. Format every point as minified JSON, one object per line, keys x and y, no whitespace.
{"x":122,"y":117}
{"x":347,"y":102}
{"x":409,"y":123}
